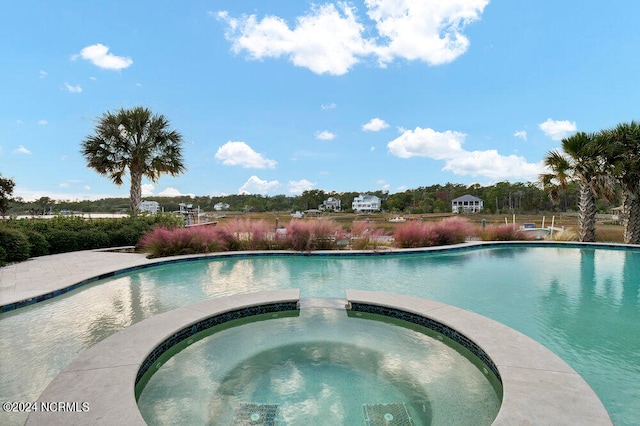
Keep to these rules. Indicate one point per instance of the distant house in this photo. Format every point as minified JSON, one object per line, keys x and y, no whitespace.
{"x":365,"y":203}
{"x":221,"y":206}
{"x":152,"y":207}
{"x":467,"y":204}
{"x":332,"y":204}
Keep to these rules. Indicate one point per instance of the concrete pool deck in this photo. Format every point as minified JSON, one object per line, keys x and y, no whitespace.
{"x":47,"y":274}
{"x":538,"y":387}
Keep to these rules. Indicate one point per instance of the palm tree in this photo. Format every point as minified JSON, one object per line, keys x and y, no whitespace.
{"x":624,"y":154}
{"x":582,"y":161}
{"x":135,"y":140}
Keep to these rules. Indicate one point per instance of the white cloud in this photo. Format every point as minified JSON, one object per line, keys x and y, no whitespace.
{"x":383,"y":184}
{"x":98,"y":54}
{"x":492,"y":165}
{"x":447,"y":146}
{"x":331,"y":39}
{"x":43,"y":74}
{"x":172,"y":192}
{"x":427,"y":143}
{"x":328,"y":106}
{"x":326,"y":40}
{"x":558,"y":129}
{"x":375,"y":125}
{"x":325,"y":135}
{"x":64,"y":185}
{"x":18,"y":121}
{"x":43,"y":122}
{"x":522,"y":134}
{"x":21,"y":150}
{"x":73,"y":89}
{"x":241,"y":154}
{"x":147,"y":189}
{"x":34,"y":194}
{"x":255,"y":185}
{"x":373,"y":148}
{"x":87,"y":188}
{"x":430,"y":31}
{"x":299,"y":186}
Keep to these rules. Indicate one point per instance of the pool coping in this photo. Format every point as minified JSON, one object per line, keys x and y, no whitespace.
{"x":28,"y":289}
{"x":538,"y":386}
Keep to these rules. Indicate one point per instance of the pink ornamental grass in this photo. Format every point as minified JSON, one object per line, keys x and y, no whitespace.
{"x":248,"y":235}
{"x":364,"y":236}
{"x":162,"y":241}
{"x":414,"y":234}
{"x":306,"y":235}
{"x":452,"y":230}
{"x":504,"y":232}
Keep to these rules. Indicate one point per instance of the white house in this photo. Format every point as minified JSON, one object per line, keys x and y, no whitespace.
{"x":331,"y":203}
{"x":467,"y":204}
{"x":152,"y":207}
{"x":366,"y":203}
{"x":221,"y":206}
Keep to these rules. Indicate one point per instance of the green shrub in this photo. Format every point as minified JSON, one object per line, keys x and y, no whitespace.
{"x":3,"y":256}
{"x":69,"y":223}
{"x":62,"y":241}
{"x":92,"y":239}
{"x":38,"y":244}
{"x":125,"y":236}
{"x":15,"y":244}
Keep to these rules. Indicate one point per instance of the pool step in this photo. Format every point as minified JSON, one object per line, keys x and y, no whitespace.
{"x":256,"y":414}
{"x":395,"y":414}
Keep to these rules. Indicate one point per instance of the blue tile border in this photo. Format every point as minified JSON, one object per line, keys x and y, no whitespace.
{"x":432,"y":325}
{"x":207,"y":323}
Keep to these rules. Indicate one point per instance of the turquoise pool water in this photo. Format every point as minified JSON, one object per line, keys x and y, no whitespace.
{"x":582,"y":303}
{"x":322,"y":367}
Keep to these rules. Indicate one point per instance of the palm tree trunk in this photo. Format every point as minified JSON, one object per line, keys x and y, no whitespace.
{"x":587,"y":218}
{"x":631,"y":217}
{"x":135,"y":193}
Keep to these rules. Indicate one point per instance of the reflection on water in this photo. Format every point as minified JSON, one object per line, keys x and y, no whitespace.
{"x":582,"y":303}
{"x":593,"y":320}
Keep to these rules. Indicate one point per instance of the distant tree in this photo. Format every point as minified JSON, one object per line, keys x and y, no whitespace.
{"x":137,"y":142}
{"x":623,"y":143}
{"x":6,"y":192}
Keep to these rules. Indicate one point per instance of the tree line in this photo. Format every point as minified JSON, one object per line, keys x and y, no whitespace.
{"x":502,"y":197}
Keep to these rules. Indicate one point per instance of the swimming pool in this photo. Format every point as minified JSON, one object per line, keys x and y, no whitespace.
{"x":581,"y":302}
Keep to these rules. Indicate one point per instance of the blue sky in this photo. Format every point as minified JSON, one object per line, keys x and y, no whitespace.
{"x":276,"y":97}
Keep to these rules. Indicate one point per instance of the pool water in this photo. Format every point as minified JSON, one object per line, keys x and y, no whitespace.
{"x":321,"y":368}
{"x":582,"y":303}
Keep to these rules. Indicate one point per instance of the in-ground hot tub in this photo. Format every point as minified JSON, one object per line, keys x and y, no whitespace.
{"x":321,"y":367}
